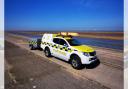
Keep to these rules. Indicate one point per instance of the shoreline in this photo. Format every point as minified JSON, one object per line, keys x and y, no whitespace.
{"x":94,"y":35}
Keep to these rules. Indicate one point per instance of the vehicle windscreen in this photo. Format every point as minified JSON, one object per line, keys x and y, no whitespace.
{"x":74,"y":42}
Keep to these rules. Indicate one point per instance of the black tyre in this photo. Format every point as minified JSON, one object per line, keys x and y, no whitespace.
{"x":76,"y":62}
{"x":47,"y":52}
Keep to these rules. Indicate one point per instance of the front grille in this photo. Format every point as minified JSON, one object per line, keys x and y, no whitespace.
{"x":92,"y":53}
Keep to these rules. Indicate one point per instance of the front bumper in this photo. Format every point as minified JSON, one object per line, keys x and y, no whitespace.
{"x":89,"y":60}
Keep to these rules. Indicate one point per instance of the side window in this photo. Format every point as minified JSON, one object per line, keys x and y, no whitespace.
{"x":63,"y":42}
{"x":56,"y":40}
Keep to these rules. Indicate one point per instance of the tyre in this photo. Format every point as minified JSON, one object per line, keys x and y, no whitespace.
{"x":76,"y":62}
{"x":47,"y":52}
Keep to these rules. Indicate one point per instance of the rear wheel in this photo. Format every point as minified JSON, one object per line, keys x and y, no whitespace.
{"x":47,"y":52}
{"x":76,"y":62}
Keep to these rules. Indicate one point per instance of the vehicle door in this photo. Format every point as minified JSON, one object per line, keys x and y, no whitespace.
{"x":63,"y":49}
{"x":55,"y":47}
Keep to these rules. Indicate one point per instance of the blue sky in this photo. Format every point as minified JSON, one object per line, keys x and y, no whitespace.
{"x":64,"y":15}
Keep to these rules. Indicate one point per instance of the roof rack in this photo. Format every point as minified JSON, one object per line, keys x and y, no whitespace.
{"x":67,"y":34}
{"x":64,"y":36}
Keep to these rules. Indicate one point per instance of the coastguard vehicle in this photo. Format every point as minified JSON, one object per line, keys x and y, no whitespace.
{"x":67,"y":48}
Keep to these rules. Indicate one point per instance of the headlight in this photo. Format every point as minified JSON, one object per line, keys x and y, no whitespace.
{"x":85,"y":54}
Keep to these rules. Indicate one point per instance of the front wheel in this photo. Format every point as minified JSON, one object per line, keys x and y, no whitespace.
{"x":76,"y":62}
{"x":47,"y":52}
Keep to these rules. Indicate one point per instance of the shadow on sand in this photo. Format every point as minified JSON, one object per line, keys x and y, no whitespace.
{"x":93,"y":65}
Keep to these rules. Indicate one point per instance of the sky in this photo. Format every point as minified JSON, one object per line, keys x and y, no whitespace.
{"x":92,"y":15}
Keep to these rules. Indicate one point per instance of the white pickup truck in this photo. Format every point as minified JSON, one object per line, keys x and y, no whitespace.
{"x":67,"y":48}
